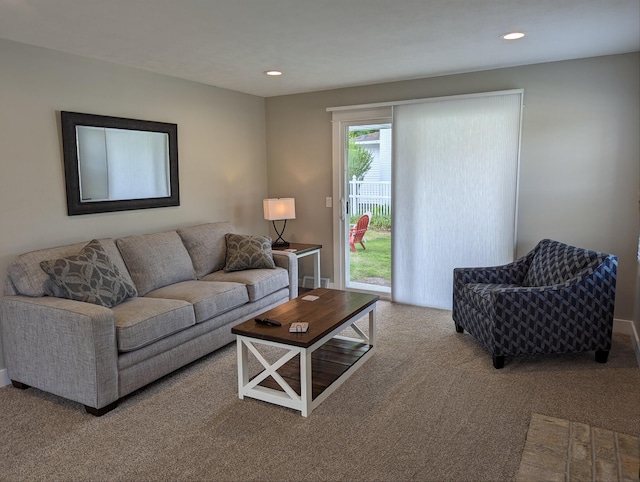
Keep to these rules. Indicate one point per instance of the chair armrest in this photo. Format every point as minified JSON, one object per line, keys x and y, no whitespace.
{"x":288,"y":261}
{"x":64,"y":347}
{"x":512,"y":273}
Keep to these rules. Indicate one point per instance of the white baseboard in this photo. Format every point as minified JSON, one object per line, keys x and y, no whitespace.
{"x":622,"y":326}
{"x":627,"y":327}
{"x":635,"y":339}
{"x":4,"y":378}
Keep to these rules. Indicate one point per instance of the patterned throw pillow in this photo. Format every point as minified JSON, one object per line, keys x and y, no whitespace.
{"x":90,"y":276}
{"x":248,"y":252}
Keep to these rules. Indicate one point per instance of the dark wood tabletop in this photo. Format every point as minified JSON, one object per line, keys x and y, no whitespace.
{"x":298,"y":248}
{"x":330,"y":310}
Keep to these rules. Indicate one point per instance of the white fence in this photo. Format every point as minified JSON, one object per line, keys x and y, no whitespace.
{"x":369,"y":196}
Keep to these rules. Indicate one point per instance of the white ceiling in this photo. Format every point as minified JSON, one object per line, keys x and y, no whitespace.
{"x":322,"y":44}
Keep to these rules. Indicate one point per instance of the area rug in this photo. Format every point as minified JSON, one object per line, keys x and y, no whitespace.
{"x":562,"y":450}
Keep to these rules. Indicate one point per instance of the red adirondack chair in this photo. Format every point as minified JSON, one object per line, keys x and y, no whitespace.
{"x":356,"y":233}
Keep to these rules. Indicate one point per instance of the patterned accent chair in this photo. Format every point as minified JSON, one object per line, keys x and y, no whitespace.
{"x":556,"y":299}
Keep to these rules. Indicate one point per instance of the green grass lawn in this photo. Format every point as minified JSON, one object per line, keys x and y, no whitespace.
{"x":375,"y":261}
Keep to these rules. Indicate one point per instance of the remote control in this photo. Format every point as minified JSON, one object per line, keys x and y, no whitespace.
{"x":268,"y":321}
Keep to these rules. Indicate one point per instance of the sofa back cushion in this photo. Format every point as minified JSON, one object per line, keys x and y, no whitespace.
{"x":156,"y":260}
{"x":555,"y":262}
{"x":29,"y":279}
{"x":207,"y":246}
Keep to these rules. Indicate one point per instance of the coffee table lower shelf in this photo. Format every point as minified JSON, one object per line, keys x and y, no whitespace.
{"x":328,"y":364}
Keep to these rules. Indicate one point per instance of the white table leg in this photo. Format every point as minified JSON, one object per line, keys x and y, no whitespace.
{"x":306,"y":383}
{"x":372,"y":326}
{"x":243,"y":363}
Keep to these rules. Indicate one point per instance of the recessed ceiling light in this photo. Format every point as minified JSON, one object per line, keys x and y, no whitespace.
{"x":273,"y":73}
{"x":513,"y":35}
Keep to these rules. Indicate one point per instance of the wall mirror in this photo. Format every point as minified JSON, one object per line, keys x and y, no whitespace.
{"x":118,"y":164}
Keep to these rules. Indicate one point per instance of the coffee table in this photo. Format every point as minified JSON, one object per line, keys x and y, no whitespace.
{"x":315,"y":363}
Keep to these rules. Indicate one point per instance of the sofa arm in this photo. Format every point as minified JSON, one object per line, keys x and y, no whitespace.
{"x":61,"y":346}
{"x":288,"y":261}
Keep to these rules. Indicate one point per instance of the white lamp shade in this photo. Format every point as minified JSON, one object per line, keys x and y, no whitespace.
{"x":279,"y":208}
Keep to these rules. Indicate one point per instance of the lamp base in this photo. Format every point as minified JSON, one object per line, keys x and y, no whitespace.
{"x":279,"y":242}
{"x":284,"y":244}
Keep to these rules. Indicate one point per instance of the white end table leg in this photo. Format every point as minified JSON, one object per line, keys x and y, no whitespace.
{"x":316,"y":270}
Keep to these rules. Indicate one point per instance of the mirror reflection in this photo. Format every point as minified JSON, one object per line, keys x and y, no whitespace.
{"x":118,"y":164}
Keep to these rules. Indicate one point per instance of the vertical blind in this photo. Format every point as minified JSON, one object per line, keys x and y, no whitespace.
{"x":455,"y":180}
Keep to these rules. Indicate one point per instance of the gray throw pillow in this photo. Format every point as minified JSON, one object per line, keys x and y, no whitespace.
{"x":90,"y":276}
{"x":248,"y":252}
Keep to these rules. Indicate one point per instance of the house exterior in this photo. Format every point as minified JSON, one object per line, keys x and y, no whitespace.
{"x":379,"y":144}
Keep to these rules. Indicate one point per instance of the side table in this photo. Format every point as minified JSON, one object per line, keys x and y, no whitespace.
{"x":301,"y":250}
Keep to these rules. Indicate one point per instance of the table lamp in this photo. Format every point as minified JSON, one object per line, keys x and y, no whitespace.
{"x":279,"y":209}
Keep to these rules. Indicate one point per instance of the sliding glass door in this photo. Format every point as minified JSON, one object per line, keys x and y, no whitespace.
{"x":367,"y":241}
{"x":362,"y":200}
{"x":453,"y":186}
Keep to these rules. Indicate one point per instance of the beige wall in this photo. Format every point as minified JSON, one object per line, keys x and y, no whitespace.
{"x":580,"y":155}
{"x":221,"y":140}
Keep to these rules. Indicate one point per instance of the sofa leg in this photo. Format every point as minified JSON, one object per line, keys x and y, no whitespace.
{"x":602,"y":356}
{"x":459,"y":329}
{"x":498,"y":361}
{"x":99,"y":412}
{"x":20,"y":385}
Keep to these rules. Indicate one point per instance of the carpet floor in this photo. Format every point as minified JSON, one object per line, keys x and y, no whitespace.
{"x":427,"y":406}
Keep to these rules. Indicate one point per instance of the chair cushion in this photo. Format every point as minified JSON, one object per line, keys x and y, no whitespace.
{"x":142,"y":321}
{"x":479,"y":294}
{"x":207,"y":246}
{"x":156,"y":260}
{"x":259,"y":282}
{"x":556,"y":262}
{"x":90,"y":276}
{"x":208,"y":299}
{"x":248,"y":252}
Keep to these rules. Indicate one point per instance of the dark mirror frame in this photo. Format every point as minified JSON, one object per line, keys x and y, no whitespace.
{"x":69,"y":122}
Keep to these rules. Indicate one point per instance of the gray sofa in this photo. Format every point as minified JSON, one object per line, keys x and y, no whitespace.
{"x":175,"y":303}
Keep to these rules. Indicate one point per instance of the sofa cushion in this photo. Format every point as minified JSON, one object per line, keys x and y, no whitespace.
{"x":206,"y":245}
{"x":29,"y":279}
{"x":142,"y":321}
{"x":208,"y":299}
{"x":259,"y":282}
{"x":248,"y":252}
{"x":90,"y":276}
{"x":555,"y":262}
{"x":156,"y":260}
